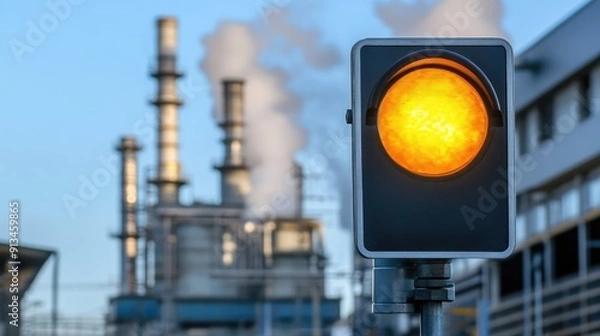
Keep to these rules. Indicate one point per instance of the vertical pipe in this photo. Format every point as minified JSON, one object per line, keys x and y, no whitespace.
{"x":233,"y":96}
{"x":146,"y":266}
{"x":483,"y":317}
{"x":527,"y":328}
{"x":299,"y":185}
{"x":583,"y":245}
{"x":537,"y":279}
{"x":147,"y":233}
{"x":129,"y":224}
{"x":316,"y":310}
{"x":168,"y":314}
{"x":169,"y":178}
{"x":431,"y":318}
{"x":55,"y":295}
{"x":267,"y":319}
{"x":578,"y":185}
{"x":235,"y":184}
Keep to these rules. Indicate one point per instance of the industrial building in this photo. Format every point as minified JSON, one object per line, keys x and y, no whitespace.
{"x":551,"y":283}
{"x":212,"y":269}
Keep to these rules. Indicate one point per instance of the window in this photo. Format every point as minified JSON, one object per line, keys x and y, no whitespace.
{"x":554,"y":211}
{"x":539,"y":219}
{"x":292,"y":241}
{"x":532,"y":129}
{"x":565,"y":205}
{"x":593,"y":191}
{"x":566,"y":254}
{"x":521,"y":225}
{"x":538,"y":265}
{"x":511,"y":275}
{"x":584,"y":97}
{"x":546,"y":125}
{"x":569,"y":204}
{"x":593,"y":233}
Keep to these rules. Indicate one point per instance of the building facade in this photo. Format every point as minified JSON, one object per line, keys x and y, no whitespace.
{"x":551,"y":283}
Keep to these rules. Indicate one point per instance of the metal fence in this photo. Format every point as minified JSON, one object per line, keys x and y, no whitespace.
{"x":568,"y":307}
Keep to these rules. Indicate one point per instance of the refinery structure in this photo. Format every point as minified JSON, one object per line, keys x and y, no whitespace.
{"x":221,"y":269}
{"x":212,"y":269}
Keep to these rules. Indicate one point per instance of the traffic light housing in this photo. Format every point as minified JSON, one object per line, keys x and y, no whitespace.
{"x":433,"y":147}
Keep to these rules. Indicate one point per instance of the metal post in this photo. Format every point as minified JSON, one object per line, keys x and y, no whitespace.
{"x":168,"y":304}
{"x":267,"y":319}
{"x":55,"y":295}
{"x":537,"y":276}
{"x":527,"y":290}
{"x":147,"y":230}
{"x":408,"y":286}
{"x":316,"y":311}
{"x":432,"y":287}
{"x":431,"y":318}
{"x":393,"y":286}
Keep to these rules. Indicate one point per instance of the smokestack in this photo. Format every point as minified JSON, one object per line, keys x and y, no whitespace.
{"x":129,"y":225}
{"x":169,"y":178}
{"x":235,"y":182}
{"x":299,"y":186}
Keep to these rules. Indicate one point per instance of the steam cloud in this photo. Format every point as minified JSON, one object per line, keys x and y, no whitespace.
{"x":444,"y":18}
{"x":273,"y":134}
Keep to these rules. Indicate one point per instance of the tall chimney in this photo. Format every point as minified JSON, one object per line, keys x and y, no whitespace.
{"x":129,"y":224}
{"x":299,"y":190}
{"x":235,"y":182}
{"x":168,"y":179}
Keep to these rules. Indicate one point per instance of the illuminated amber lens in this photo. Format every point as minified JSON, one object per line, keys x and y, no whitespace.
{"x":432,"y":122}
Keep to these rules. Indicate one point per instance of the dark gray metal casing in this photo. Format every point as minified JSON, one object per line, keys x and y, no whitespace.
{"x":399,"y":215}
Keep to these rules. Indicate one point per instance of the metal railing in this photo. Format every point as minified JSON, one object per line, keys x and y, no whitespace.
{"x":43,"y":326}
{"x":569,"y":306}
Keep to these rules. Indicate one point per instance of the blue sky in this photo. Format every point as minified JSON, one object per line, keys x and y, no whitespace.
{"x":67,"y":100}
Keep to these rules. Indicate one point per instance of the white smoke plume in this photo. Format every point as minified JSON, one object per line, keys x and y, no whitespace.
{"x":443,"y":18}
{"x":273,"y":133}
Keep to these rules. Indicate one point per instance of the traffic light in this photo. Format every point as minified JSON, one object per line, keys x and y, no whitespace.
{"x":432,"y":127}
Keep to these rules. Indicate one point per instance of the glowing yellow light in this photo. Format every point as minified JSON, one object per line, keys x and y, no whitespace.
{"x":432,"y":122}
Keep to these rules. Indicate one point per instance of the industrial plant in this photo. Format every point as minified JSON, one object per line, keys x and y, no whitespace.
{"x":236,"y":267}
{"x":213,"y":269}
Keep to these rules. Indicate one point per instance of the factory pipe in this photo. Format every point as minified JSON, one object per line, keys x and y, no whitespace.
{"x":169,"y":178}
{"x":129,"y":224}
{"x":235,"y":183}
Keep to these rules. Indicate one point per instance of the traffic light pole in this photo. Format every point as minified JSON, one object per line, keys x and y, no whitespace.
{"x":431,"y":318}
{"x":432,"y":287}
{"x":413,"y":286}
